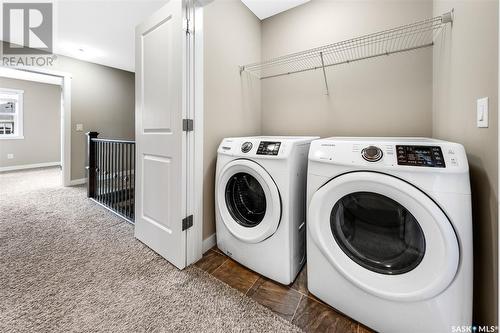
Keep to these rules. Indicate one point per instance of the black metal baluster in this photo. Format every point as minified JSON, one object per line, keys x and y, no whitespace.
{"x":97,"y":169}
{"x":132,"y":180}
{"x":119,"y":193}
{"x":122,"y":165}
{"x":108,"y":174}
{"x":96,"y":149}
{"x":111,"y":191}
{"x":103,"y":175}
{"x":101,"y":171}
{"x":117,"y":178}
{"x":98,"y":175}
{"x":129,"y":182}
{"x":113,"y":181}
{"x":111,"y":163}
{"x":124,"y":178}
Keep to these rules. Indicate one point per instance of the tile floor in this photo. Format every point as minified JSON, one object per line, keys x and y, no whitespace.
{"x":294,"y":302}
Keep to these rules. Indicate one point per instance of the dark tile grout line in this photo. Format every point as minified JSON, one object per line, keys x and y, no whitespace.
{"x":289,"y":287}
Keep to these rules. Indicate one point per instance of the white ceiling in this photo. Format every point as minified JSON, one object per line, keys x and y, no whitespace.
{"x":104,"y":30}
{"x":267,"y":8}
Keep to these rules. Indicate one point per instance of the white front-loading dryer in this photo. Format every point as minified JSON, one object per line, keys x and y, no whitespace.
{"x":260,"y":203}
{"x":389,"y":236}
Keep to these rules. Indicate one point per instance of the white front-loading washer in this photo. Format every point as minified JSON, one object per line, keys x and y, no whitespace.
{"x":389,"y":232}
{"x":260,"y":203}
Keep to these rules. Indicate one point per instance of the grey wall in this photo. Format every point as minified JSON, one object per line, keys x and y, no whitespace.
{"x":231,"y":104}
{"x":386,"y":96}
{"x":102,"y":99}
{"x":367,"y":98}
{"x":429,"y":93}
{"x":466,"y":68}
{"x":42,"y":121}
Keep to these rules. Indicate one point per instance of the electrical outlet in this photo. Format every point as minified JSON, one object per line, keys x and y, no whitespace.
{"x":482,"y":112}
{"x":79,"y":127}
{"x":10,"y":156}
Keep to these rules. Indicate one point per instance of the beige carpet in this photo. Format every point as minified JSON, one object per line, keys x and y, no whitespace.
{"x":30,"y":180}
{"x":68,"y":265}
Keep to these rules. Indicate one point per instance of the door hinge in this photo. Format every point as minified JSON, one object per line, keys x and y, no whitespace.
{"x":188,"y":26}
{"x":187,"y":222}
{"x":187,"y":125}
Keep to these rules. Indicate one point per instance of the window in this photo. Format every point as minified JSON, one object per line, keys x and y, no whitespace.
{"x":11,"y":114}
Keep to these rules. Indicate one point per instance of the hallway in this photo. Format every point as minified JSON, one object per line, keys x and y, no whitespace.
{"x":30,"y":180}
{"x":69,"y":265}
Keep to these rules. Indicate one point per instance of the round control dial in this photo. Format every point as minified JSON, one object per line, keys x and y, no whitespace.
{"x":372,"y":153}
{"x":246,"y":147}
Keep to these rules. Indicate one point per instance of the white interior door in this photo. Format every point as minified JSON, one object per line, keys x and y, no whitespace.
{"x":161,"y":161}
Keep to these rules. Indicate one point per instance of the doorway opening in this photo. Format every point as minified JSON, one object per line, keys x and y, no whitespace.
{"x":36,"y":125}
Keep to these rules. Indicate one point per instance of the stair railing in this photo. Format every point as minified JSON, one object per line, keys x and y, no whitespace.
{"x":111,"y":174}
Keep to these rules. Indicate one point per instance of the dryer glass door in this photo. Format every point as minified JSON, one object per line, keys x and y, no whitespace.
{"x":377,"y":232}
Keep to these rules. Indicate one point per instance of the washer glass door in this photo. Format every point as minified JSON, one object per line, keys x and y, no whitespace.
{"x":384,"y":235}
{"x":377,"y":232}
{"x":245,"y":199}
{"x":248,"y":201}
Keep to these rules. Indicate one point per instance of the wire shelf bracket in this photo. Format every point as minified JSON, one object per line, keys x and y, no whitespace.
{"x":405,"y":38}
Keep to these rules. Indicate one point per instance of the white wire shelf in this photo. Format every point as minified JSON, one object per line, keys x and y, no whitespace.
{"x":401,"y":39}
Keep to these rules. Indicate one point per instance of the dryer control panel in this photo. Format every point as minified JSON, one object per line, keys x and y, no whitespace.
{"x":422,"y":156}
{"x":268,"y":148}
{"x":264,"y":147}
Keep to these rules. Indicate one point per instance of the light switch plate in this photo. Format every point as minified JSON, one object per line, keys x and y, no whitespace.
{"x":10,"y":156}
{"x":482,"y":112}
{"x":79,"y":127}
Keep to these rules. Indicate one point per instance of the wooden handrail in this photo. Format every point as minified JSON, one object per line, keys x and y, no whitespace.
{"x":111,"y":140}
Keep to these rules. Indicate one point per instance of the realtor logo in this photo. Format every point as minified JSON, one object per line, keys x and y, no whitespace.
{"x":27,"y":28}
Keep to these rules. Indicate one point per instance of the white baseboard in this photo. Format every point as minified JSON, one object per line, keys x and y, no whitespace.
{"x":29,"y":166}
{"x":209,"y":242}
{"x":75,"y":182}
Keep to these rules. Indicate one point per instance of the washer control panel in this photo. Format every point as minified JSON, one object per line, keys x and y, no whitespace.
{"x":421,"y":156}
{"x":268,"y":148}
{"x":425,"y":155}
